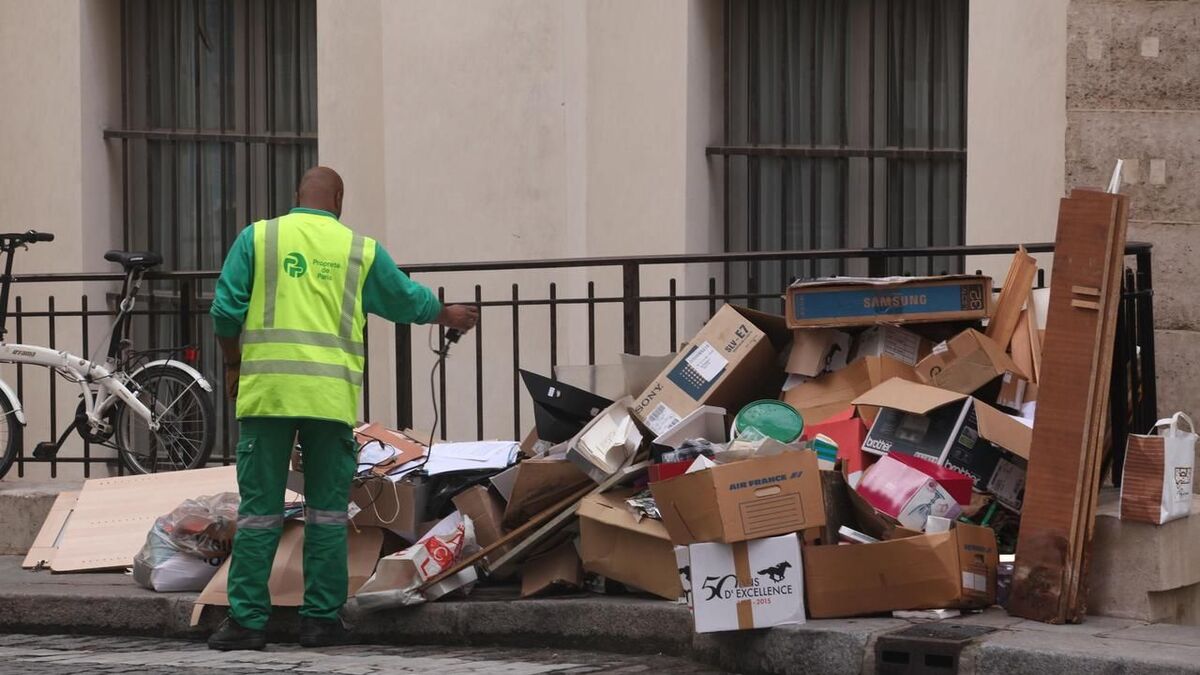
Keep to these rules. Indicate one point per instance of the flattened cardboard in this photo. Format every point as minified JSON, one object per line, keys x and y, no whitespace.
{"x":955,"y":569}
{"x":750,"y":584}
{"x":731,"y":361}
{"x":750,"y":499}
{"x":113,"y":515}
{"x":559,"y":569}
{"x":45,"y":545}
{"x":831,"y":393}
{"x":614,"y":543}
{"x":287,"y":575}
{"x":539,"y":483}
{"x":816,"y":350}
{"x":849,"y":301}
{"x":398,"y":506}
{"x":614,"y":381}
{"x":966,"y":363}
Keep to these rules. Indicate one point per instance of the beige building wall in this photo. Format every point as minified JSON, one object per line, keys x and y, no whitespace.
{"x":1016,"y":124}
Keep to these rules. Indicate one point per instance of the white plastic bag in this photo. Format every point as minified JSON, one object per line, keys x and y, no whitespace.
{"x":184,"y":548}
{"x":1156,"y":485}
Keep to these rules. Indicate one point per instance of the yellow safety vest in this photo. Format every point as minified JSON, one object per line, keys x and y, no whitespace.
{"x":302,"y":342}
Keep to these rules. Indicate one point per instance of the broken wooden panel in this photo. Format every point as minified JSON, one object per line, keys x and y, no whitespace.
{"x":1058,"y":496}
{"x":1017,"y":285}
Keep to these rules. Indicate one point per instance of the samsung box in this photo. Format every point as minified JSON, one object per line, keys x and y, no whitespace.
{"x":856,"y":301}
{"x":945,"y":427}
{"x":750,"y":584}
{"x":955,"y":569}
{"x":732,"y":361}
{"x":753,"y":498}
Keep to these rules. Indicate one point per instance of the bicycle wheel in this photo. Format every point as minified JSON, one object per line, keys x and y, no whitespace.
{"x":10,"y":436}
{"x":184,"y":412}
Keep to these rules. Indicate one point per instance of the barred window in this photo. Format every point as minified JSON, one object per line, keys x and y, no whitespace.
{"x":845,"y":127}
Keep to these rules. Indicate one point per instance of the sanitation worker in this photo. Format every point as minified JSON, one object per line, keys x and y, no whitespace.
{"x":289,"y":312}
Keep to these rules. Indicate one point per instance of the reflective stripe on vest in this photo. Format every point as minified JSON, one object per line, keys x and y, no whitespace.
{"x":303,"y":333}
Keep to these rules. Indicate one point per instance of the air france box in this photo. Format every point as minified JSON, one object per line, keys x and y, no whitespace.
{"x":749,"y":499}
{"x":856,"y":301}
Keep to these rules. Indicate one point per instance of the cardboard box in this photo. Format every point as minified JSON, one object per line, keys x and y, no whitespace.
{"x":969,"y":362}
{"x":407,"y":448}
{"x":893,"y":342}
{"x":730,"y":362}
{"x":750,"y":499}
{"x":539,"y":484}
{"x":396,"y":506}
{"x":817,"y":350}
{"x":830,"y":394}
{"x":557,"y":570}
{"x":851,"y":301}
{"x":955,"y":569}
{"x":751,"y":584}
{"x":486,"y":512}
{"x":906,"y":493}
{"x":849,"y":431}
{"x":944,"y":427}
{"x":615,"y":543}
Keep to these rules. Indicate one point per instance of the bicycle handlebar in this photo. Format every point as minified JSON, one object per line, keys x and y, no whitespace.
{"x":30,"y":237}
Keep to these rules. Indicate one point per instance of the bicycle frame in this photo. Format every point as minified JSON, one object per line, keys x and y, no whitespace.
{"x":84,"y":373}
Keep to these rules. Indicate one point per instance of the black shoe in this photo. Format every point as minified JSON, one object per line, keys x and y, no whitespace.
{"x":232,"y":636}
{"x":324,"y":632}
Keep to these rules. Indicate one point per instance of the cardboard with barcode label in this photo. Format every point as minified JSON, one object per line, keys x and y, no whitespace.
{"x":955,"y":569}
{"x":854,"y":301}
{"x":732,"y":361}
{"x":749,"y":584}
{"x":749,"y":499}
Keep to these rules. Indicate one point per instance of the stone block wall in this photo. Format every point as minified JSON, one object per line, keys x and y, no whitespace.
{"x":1133,"y":93}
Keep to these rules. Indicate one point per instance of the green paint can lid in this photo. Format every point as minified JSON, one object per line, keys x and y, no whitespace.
{"x":776,"y":419}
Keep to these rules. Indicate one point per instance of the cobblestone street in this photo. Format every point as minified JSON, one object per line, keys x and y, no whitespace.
{"x":73,"y":655}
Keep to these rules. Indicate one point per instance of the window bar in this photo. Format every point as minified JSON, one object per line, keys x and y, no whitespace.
{"x":844,"y":164}
{"x":871,"y":240}
{"x":124,"y":37}
{"x":176,"y":150}
{"x":50,"y":320}
{"x":553,"y":327}
{"x":930,"y":168}
{"x":728,"y":66}
{"x":591,"y":312}
{"x":962,"y":123}
{"x":83,"y":313}
{"x":516,"y":358}
{"x":442,"y":371}
{"x":785,"y":172}
{"x":151,"y":117}
{"x":672,"y":313}
{"x":479,"y":364}
{"x":814,"y":167}
{"x":753,"y":135}
{"x":269,"y":65}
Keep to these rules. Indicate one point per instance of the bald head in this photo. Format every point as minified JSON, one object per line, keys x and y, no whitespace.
{"x":321,"y":188}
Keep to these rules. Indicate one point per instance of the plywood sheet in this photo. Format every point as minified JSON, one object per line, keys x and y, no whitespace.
{"x":113,"y":515}
{"x":1022,"y":347}
{"x":45,"y":546}
{"x":1062,"y":463}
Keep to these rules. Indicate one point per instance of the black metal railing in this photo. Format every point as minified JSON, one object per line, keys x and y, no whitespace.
{"x":615,"y":305}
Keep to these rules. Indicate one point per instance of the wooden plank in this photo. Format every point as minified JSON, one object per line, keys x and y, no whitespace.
{"x":45,"y":546}
{"x":1101,"y":430}
{"x":1035,"y":343}
{"x":1059,"y":467}
{"x":1017,"y":285}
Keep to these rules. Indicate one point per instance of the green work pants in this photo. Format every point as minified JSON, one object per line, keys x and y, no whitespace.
{"x":263,"y":452}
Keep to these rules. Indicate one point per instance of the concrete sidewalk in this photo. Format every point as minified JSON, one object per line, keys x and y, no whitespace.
{"x":39,"y":602}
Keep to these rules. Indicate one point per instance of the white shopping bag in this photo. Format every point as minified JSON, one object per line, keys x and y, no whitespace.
{"x":1156,"y":485}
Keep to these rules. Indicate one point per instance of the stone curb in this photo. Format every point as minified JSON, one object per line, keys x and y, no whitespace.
{"x":610,"y":624}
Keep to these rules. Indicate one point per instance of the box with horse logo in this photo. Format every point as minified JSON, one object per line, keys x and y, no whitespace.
{"x":750,"y":584}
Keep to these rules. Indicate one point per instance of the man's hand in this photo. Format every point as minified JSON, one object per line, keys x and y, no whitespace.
{"x":232,"y":373}
{"x":461,"y":317}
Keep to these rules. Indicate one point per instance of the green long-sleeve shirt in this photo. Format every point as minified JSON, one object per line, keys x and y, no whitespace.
{"x":387,"y":292}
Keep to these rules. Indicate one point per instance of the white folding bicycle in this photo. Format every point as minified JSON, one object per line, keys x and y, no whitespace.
{"x":157,"y":413}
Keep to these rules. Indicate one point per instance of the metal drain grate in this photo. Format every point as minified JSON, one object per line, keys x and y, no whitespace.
{"x":926,"y":649}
